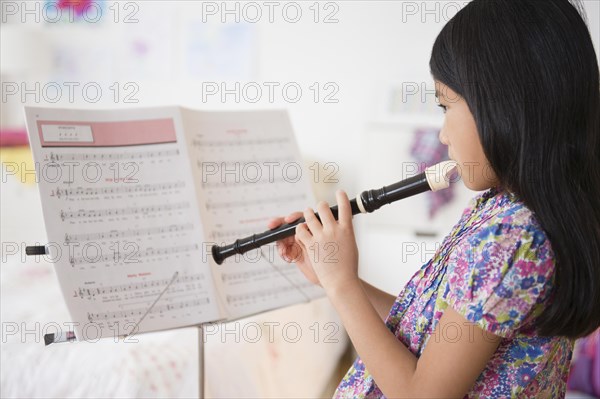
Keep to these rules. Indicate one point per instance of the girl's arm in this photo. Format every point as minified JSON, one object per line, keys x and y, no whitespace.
{"x":455,"y":354}
{"x":381,"y":300}
{"x":453,"y":358}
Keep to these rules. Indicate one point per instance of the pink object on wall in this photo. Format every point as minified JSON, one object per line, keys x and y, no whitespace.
{"x":78,"y":6}
{"x":13,"y":137}
{"x":427,"y":150}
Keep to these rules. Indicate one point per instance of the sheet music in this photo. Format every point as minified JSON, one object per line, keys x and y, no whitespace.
{"x":248,"y":169}
{"x":122,"y":219}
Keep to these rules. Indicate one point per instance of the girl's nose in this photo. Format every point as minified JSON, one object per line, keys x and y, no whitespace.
{"x":442,"y":137}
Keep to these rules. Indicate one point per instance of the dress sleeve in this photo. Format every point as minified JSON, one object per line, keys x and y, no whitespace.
{"x":499,"y":275}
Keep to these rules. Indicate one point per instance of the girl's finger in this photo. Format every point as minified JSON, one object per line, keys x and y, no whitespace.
{"x":293,"y":216}
{"x":285,"y":242}
{"x":312,"y":222}
{"x":288,"y":240}
{"x":275,"y":222}
{"x":303,"y":235}
{"x":283,"y":253}
{"x":281,"y":245}
{"x":294,"y":251}
{"x":344,"y":208}
{"x":299,"y":243}
{"x":289,"y":250}
{"x":325,"y":214}
{"x":302,"y":248}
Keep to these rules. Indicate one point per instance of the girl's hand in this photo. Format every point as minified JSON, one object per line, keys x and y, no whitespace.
{"x":331,"y":244}
{"x":292,"y":250}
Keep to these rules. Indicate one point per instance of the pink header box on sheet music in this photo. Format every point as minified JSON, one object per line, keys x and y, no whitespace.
{"x":106,"y":134}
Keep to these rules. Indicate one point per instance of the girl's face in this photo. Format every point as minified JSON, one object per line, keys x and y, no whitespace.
{"x":459,"y":133}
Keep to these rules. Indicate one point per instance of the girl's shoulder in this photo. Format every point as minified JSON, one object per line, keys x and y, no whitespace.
{"x":499,"y":223}
{"x":501,"y":264}
{"x":498,"y":214}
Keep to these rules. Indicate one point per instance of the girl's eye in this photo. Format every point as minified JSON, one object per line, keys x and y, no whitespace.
{"x":443,"y":107}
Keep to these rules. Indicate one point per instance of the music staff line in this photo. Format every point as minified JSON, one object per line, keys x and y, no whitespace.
{"x":139,"y":312}
{"x":227,"y":143}
{"x":258,"y":201}
{"x":110,"y":156}
{"x":134,"y":329}
{"x":245,"y":275}
{"x":217,"y":234}
{"x":69,"y":238}
{"x":117,"y":289}
{"x":92,"y":213}
{"x":175,"y":292}
{"x":232,"y":299}
{"x":138,"y":188}
{"x":242,"y":182}
{"x":119,"y":257}
{"x":228,"y":165}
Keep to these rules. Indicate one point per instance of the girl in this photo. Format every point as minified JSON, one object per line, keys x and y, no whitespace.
{"x":496,"y":310}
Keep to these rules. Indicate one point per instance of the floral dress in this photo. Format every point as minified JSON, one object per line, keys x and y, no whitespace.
{"x":496,"y":268}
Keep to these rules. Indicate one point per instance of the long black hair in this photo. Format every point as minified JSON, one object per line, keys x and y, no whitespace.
{"x":528,"y":71}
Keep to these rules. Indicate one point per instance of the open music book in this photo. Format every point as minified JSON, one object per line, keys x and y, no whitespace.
{"x":133,"y":200}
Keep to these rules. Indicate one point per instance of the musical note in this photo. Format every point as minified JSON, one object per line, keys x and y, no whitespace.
{"x":242,"y":182}
{"x":264,"y":294}
{"x":122,"y":189}
{"x":265,"y":162}
{"x":114,"y":234}
{"x":251,"y":274}
{"x":132,"y":257}
{"x":139,"y":312}
{"x":256,"y":201}
{"x":111,"y":156}
{"x":92,"y":292}
{"x":143,"y":210}
{"x":222,"y":234}
{"x":134,"y":329}
{"x":239,"y":143}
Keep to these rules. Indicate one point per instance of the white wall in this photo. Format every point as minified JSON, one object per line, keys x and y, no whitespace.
{"x":373,"y":45}
{"x":367,"y":50}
